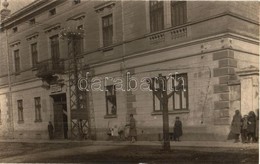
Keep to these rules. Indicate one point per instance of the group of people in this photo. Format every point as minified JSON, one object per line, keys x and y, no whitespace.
{"x":246,"y":126}
{"x":177,"y":129}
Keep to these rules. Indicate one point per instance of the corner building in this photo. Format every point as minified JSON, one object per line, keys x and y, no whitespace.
{"x":212,"y":46}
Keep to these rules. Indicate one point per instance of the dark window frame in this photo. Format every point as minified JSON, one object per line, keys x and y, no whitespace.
{"x":17,"y":62}
{"x":34,"y":53}
{"x":55,"y":50}
{"x":178,"y":13}
{"x":52,"y":12}
{"x":76,"y":2}
{"x":15,"y":29}
{"x":80,"y":42}
{"x":173,"y":96}
{"x":20,"y":111}
{"x":37,"y":104}
{"x":156,"y":15}
{"x":107,"y":30}
{"x":112,"y":98}
{"x":32,"y":21}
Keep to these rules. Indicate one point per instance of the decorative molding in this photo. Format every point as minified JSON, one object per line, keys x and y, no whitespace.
{"x":32,"y":36}
{"x":107,"y":5}
{"x":77,"y":17}
{"x":15,"y":43}
{"x":52,"y":28}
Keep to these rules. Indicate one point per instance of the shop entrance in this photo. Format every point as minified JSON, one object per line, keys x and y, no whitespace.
{"x":60,"y":116}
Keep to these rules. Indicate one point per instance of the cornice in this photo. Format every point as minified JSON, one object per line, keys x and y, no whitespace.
{"x":109,"y":5}
{"x":32,"y":36}
{"x":52,"y":28}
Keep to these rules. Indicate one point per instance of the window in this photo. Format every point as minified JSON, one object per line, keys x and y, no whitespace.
{"x":20,"y":110}
{"x":55,"y":51}
{"x":76,"y":1}
{"x":34,"y":53}
{"x":37,"y":103}
{"x":107,"y":27}
{"x":15,"y":29}
{"x":179,"y":100}
{"x":79,"y":44}
{"x":17,"y":61}
{"x":32,"y":21}
{"x":156,"y":16}
{"x":179,"y":13}
{"x":111,"y":100}
{"x":52,"y":12}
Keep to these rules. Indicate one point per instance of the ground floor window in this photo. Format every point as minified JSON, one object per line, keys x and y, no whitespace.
{"x":111,"y":107}
{"x":178,"y":84}
{"x":20,"y":110}
{"x":37,"y":103}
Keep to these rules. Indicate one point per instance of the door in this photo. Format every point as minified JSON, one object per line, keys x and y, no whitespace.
{"x":58,"y":121}
{"x":246,"y":96}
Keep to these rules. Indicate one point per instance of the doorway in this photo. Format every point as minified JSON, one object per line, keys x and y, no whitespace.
{"x":60,"y":116}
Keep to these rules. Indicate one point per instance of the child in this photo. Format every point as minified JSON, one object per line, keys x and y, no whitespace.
{"x":244,"y":129}
{"x":177,"y":129}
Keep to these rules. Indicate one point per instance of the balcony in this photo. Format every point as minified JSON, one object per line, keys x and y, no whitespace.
{"x":47,"y":69}
{"x":169,"y":36}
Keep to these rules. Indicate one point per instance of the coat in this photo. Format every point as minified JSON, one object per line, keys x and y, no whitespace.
{"x":177,"y":130}
{"x":251,"y":127}
{"x":236,"y":124}
{"x":132,"y":130}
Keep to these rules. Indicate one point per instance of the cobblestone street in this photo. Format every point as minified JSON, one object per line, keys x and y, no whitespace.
{"x":89,"y":152}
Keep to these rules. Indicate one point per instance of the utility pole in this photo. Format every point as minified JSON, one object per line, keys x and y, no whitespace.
{"x":78,"y":106}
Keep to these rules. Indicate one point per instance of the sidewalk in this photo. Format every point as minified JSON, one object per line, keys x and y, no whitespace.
{"x":212,"y":144}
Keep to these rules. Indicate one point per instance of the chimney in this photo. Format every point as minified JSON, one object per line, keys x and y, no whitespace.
{"x":5,"y":12}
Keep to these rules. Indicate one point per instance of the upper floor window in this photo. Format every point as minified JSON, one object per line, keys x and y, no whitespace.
{"x":111,"y":100}
{"x":15,"y":29}
{"x":32,"y":21}
{"x":76,"y":1}
{"x":55,"y":49}
{"x":52,"y":12}
{"x":79,"y":42}
{"x":34,"y":53}
{"x":107,"y":27}
{"x":156,"y":16}
{"x":178,"y":12}
{"x":37,"y":103}
{"x":17,"y":61}
{"x":20,"y":110}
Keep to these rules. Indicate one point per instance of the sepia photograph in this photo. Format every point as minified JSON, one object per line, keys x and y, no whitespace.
{"x":129,"y":81}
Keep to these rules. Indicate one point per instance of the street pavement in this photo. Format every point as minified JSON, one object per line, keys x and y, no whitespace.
{"x":64,"y":151}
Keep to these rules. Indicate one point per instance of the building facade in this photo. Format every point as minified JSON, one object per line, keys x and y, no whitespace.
{"x":208,"y":50}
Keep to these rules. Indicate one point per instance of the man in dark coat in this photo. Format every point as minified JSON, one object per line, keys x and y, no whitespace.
{"x":236,"y":125}
{"x":50,"y":130}
{"x":132,"y":130}
{"x":177,"y":129}
{"x":251,"y":126}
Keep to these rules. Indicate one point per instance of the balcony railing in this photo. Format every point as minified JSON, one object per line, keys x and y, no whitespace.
{"x":49,"y":67}
{"x":169,"y":35}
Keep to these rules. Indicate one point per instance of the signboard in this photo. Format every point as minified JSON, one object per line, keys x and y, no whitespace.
{"x":55,"y":88}
{"x":79,"y":114}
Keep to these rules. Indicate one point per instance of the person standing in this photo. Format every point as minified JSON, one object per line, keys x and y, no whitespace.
{"x":177,"y":129}
{"x":132,"y":130}
{"x":244,"y":129}
{"x":257,"y":126}
{"x":50,"y":130}
{"x":236,"y":125}
{"x":251,"y":126}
